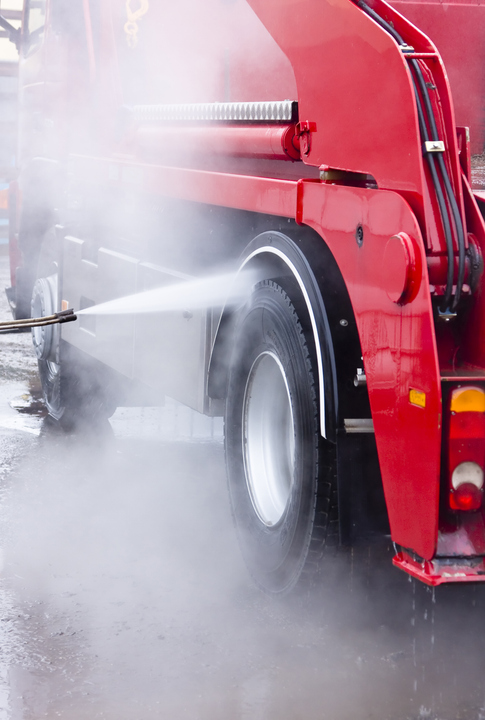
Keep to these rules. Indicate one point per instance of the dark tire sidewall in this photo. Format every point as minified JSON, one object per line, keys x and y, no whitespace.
{"x":275,"y":555}
{"x":74,"y":395}
{"x":48,"y":264}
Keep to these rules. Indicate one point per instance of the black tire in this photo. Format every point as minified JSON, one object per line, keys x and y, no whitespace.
{"x":73,"y":392}
{"x":281,"y":472}
{"x":45,"y":301}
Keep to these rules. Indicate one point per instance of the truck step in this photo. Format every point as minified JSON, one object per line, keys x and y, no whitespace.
{"x":445,"y":570}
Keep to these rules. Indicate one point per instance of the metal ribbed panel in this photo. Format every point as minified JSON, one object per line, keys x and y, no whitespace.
{"x":281,"y":111}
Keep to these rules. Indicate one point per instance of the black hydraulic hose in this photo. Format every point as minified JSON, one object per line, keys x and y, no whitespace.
{"x":442,"y":168}
{"x":380,"y":21}
{"x":441,"y":204}
{"x":459,"y":229}
{"x":446,"y":181}
{"x":424,"y":97}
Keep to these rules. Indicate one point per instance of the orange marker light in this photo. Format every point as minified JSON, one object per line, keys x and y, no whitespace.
{"x":417,"y":397}
{"x":468,"y":399}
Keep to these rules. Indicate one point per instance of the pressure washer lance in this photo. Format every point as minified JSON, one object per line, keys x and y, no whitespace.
{"x":58,"y":318}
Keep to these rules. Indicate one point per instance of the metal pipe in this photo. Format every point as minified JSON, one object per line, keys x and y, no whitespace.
{"x":276,"y":142}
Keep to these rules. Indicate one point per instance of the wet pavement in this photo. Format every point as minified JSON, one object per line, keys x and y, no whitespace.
{"x":123,"y":595}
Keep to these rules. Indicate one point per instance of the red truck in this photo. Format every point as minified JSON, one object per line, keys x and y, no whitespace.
{"x":313,"y":143}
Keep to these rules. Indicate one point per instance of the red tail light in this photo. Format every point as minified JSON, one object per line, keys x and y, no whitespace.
{"x":466,"y":450}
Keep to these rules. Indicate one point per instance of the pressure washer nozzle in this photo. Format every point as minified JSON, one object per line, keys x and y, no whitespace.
{"x":66,"y":316}
{"x":61,"y":317}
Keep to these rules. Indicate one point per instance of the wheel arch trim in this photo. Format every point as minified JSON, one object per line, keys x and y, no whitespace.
{"x":278,"y":244}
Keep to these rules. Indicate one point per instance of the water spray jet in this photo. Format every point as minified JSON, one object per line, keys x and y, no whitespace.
{"x":197,"y":294}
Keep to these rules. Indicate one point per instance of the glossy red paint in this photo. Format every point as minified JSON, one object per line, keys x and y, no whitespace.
{"x":403,"y":269}
{"x":358,"y":115}
{"x":268,"y":142}
{"x":361,"y":101}
{"x":457,"y":30}
{"x":464,"y":148}
{"x":398,"y":341}
{"x":437,"y":572}
{"x":257,"y":194}
{"x":399,"y":351}
{"x":472,"y":341}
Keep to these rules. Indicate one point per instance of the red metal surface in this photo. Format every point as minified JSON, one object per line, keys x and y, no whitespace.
{"x":464,"y":148}
{"x":362,"y":99}
{"x":357,"y":114}
{"x":399,"y":351}
{"x":472,"y":345}
{"x":437,"y":572}
{"x":402,"y":261}
{"x":398,"y":341}
{"x":268,"y":142}
{"x":458,"y":31}
{"x":257,"y":194}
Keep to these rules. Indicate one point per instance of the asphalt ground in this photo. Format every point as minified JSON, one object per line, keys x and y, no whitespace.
{"x":123,"y":595}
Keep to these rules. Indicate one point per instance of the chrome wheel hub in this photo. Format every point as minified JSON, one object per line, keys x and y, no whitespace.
{"x":268,"y":438}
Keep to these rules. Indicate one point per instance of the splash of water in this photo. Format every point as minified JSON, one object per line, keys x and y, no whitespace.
{"x":214,"y":291}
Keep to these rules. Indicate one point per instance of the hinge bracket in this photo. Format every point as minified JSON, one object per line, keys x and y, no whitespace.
{"x":304,"y":129}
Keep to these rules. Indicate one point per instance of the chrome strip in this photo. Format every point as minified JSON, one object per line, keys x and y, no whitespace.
{"x":279,"y":111}
{"x":359,"y":425}
{"x":321,"y":387}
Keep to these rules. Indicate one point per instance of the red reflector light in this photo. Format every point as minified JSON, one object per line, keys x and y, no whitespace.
{"x":466,"y":497}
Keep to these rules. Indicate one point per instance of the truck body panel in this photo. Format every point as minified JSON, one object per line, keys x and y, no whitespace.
{"x":330,"y":125}
{"x":455,"y":28}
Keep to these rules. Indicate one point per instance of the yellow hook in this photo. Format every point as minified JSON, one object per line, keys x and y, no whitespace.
{"x":131,"y":27}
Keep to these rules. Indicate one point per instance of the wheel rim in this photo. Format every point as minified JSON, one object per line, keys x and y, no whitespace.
{"x":268,"y":438}
{"x":46,"y":339}
{"x":44,"y":303}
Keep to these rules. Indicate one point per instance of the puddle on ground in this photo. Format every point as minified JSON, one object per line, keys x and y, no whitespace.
{"x":25,"y":410}
{"x":29,"y":403}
